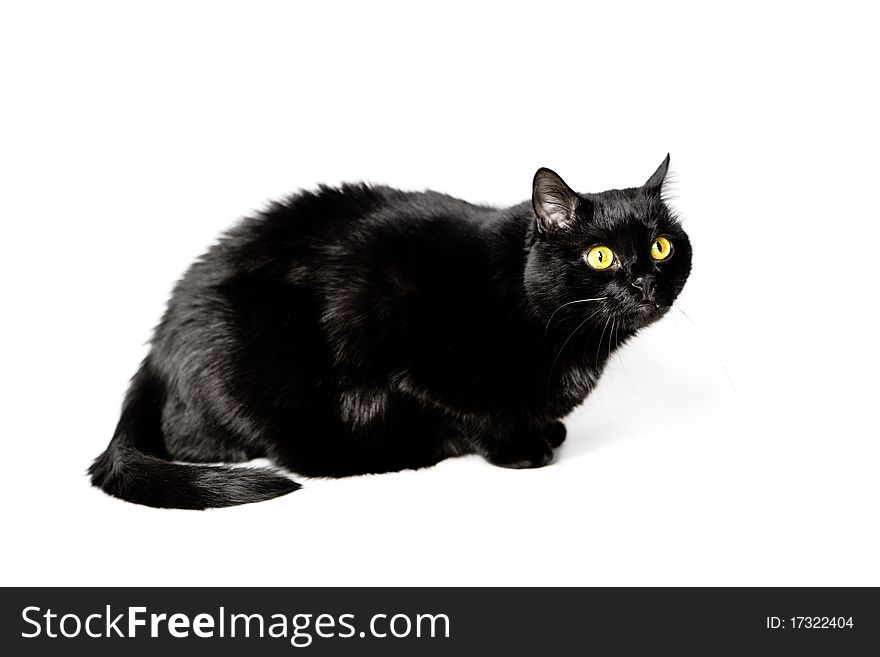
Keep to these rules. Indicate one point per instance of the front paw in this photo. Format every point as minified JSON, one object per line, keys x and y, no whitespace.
{"x":526,"y":452}
{"x":554,"y":434}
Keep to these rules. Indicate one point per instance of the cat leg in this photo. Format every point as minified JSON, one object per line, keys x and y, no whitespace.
{"x":523,"y":447}
{"x":500,"y":442}
{"x":554,"y":433}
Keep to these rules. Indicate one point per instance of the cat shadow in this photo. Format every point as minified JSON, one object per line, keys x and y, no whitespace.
{"x":630,"y":406}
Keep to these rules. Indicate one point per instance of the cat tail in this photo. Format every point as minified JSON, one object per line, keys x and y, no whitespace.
{"x":136,"y":466}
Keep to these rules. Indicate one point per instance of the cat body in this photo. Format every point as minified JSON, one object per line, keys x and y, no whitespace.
{"x":365,"y":329}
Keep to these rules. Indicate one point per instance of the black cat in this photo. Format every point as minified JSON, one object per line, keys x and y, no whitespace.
{"x":367,"y":329}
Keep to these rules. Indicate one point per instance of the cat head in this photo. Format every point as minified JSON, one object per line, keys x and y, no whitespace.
{"x":622,"y":248}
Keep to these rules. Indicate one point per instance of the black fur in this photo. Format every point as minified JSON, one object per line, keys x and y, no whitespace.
{"x":367,"y":329}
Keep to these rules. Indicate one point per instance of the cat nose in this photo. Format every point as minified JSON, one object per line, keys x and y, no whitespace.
{"x":645,"y":284}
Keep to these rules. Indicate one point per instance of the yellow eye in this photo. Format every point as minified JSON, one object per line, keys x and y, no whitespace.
{"x":600,"y":257}
{"x":661,"y":248}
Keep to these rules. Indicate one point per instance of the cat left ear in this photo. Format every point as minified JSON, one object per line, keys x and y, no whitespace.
{"x":659,"y":176}
{"x":554,"y":201}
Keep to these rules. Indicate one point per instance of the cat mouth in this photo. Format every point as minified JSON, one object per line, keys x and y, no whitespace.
{"x":641,"y":313}
{"x":646,"y":307}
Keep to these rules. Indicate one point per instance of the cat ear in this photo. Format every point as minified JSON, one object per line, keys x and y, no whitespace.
{"x":554,"y":201}
{"x":659,"y":176}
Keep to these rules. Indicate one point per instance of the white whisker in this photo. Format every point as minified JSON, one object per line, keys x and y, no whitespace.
{"x":546,"y":328}
{"x":614,"y":327}
{"x":601,"y":338}
{"x":708,"y":344}
{"x":632,"y":383}
{"x":579,"y":326}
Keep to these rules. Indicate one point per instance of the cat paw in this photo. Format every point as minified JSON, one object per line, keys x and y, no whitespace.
{"x":532,"y":452}
{"x":554,"y":434}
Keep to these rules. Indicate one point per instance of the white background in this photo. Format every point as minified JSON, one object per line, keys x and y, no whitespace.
{"x":134,"y":133}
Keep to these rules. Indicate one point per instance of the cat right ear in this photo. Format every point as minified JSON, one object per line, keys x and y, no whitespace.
{"x":659,"y":176}
{"x":554,"y":202}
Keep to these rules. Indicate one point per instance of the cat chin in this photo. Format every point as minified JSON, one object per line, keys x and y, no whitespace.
{"x":642,"y":316}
